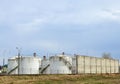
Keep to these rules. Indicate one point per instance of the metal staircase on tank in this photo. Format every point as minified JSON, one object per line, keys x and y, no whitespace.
{"x":66,"y":63}
{"x":12,"y":70}
{"x":41,"y":70}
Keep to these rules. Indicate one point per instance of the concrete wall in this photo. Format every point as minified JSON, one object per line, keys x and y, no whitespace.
{"x":94,"y":65}
{"x":74,"y":68}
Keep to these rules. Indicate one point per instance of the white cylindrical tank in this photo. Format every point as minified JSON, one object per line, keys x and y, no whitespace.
{"x":13,"y":65}
{"x":60,"y":64}
{"x":27,"y":65}
{"x":30,"y":65}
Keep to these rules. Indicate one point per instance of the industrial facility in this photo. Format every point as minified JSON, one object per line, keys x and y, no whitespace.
{"x":62,"y":64}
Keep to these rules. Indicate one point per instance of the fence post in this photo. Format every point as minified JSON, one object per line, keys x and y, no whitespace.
{"x":118,"y":66}
{"x":84,"y":64}
{"x":96,"y":64}
{"x":110,"y":66}
{"x":101,"y":65}
{"x":114,"y":67}
{"x":105,"y":67}
{"x":90,"y":65}
{"x":76,"y":64}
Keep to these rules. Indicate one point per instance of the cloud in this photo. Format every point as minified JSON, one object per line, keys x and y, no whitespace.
{"x":71,"y":26}
{"x":25,"y":13}
{"x":46,"y":44}
{"x":30,"y":27}
{"x":111,"y":14}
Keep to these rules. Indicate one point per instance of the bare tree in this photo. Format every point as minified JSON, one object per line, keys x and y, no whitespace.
{"x":106,"y":56}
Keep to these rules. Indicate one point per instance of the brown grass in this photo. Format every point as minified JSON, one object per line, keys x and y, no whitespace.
{"x":61,"y":79}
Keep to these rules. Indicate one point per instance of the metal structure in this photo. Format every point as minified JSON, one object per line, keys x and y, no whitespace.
{"x":19,"y":50}
{"x":45,"y":66}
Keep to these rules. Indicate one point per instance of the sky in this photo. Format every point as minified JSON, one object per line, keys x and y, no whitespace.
{"x":47,"y":27}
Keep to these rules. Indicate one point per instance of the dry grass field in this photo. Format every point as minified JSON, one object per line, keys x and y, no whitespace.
{"x":61,"y":79}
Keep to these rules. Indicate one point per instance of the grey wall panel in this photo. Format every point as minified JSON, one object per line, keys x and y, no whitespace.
{"x":94,"y":65}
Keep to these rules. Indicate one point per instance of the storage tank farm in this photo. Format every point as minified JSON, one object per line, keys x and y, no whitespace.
{"x":27,"y":65}
{"x":62,"y":64}
{"x":58,"y":64}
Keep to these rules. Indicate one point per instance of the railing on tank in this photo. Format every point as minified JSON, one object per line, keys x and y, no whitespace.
{"x":66,"y":62}
{"x":41,"y":70}
{"x":12,"y":70}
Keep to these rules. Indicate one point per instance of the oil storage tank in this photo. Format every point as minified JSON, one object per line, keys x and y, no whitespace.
{"x":13,"y":65}
{"x":60,"y":64}
{"x":25,"y":65}
{"x":30,"y":65}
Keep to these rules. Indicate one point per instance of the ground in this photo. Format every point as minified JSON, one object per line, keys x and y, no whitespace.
{"x":61,"y":79}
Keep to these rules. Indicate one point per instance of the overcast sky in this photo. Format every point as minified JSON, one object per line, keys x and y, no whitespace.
{"x":88,"y":27}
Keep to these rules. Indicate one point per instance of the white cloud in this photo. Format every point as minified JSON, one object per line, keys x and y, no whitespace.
{"x":30,"y":27}
{"x":111,"y":14}
{"x":45,"y":44}
{"x":56,"y":12}
{"x":76,"y":20}
{"x":80,"y":17}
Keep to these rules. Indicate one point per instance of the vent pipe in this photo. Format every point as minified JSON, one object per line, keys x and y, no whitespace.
{"x":63,"y":53}
{"x":44,"y":57}
{"x":34,"y":54}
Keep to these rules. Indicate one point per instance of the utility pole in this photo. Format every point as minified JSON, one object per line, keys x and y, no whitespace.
{"x":3,"y":65}
{"x":3,"y":68}
{"x":19,"y":50}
